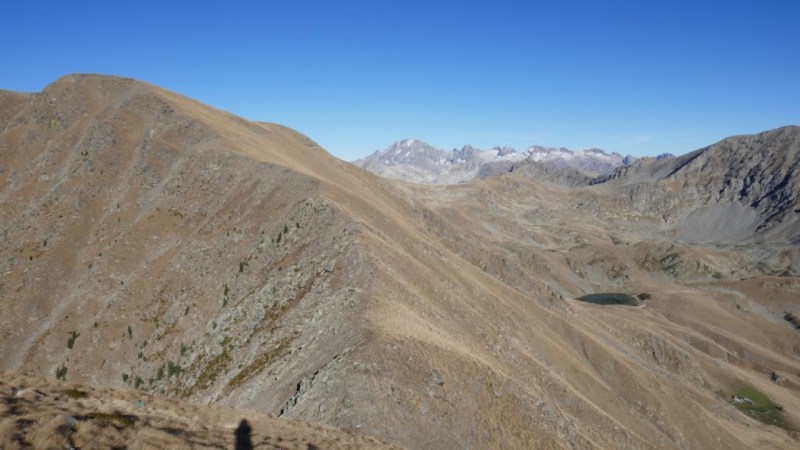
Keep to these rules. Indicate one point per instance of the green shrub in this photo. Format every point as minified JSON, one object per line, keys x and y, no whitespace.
{"x":173,"y":369}
{"x":71,"y":339}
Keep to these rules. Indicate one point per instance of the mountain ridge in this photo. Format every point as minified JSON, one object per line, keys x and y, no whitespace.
{"x":416,"y":161}
{"x":759,"y":172}
{"x":155,"y":243}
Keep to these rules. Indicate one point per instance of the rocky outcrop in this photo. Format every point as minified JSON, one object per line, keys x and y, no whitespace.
{"x":733,"y":189}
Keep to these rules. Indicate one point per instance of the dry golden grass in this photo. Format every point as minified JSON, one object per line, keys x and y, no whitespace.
{"x":37,"y":414}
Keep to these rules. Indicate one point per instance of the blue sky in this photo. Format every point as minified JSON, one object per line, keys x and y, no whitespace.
{"x":638,"y":77}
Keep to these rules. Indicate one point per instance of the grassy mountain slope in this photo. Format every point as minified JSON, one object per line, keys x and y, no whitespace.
{"x":154,"y":243}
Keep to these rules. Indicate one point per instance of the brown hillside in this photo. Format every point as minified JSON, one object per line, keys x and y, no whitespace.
{"x":154,"y":243}
{"x":43,"y":413}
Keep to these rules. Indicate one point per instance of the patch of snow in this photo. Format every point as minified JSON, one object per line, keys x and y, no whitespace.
{"x":489,"y":155}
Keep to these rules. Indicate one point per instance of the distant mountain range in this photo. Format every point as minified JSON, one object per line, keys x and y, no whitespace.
{"x":416,"y":161}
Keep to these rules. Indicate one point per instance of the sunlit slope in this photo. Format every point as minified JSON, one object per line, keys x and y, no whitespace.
{"x":155,"y":243}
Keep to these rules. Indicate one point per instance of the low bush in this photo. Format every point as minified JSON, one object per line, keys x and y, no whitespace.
{"x":71,"y":339}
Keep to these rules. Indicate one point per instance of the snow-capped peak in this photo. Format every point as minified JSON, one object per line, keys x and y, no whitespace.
{"x":415,"y":160}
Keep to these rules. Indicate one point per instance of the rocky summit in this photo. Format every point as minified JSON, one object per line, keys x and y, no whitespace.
{"x":160,"y":256}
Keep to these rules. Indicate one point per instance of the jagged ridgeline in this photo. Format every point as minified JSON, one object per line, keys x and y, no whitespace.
{"x":416,"y":161}
{"x":155,"y":244}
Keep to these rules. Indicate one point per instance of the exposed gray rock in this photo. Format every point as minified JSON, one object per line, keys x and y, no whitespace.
{"x":726,"y":191}
{"x":415,"y":161}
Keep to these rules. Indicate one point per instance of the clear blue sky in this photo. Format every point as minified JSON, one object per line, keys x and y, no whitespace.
{"x":638,"y":77}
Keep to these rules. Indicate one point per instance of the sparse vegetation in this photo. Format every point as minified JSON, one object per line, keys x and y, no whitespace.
{"x":130,"y":332}
{"x":757,"y":405}
{"x":278,"y":239}
{"x":137,"y":382}
{"x":125,"y":377}
{"x":644,"y":296}
{"x":212,"y":370}
{"x":116,"y":418}
{"x":173,"y":369}
{"x":61,"y":373}
{"x":618,"y":271}
{"x":263,"y":360}
{"x":75,"y":393}
{"x":183,"y":349}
